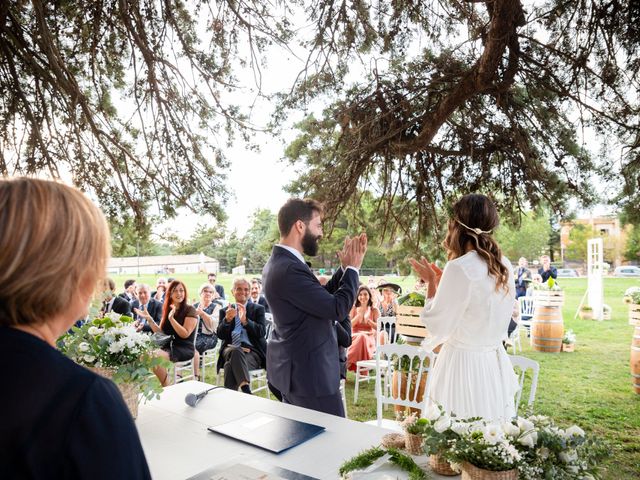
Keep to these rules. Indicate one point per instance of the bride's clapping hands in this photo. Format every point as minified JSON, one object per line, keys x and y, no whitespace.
{"x":423,"y":269}
{"x":428,"y":273}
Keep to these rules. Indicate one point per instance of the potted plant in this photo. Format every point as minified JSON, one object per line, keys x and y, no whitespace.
{"x":632,"y":297}
{"x":438,"y":435}
{"x":414,"y":430}
{"x":548,"y":294}
{"x":408,"y":316}
{"x":586,"y":312}
{"x":113,"y":348}
{"x":569,"y":341}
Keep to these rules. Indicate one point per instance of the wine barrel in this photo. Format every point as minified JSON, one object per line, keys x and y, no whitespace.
{"x":635,"y":359}
{"x":547,"y":329}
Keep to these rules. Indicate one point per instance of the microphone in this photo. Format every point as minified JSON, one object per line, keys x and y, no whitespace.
{"x":192,"y":399}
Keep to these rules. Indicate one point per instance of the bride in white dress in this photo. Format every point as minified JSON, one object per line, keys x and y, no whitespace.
{"x":468,"y":311}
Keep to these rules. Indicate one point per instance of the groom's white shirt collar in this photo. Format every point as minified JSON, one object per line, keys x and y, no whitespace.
{"x":292,"y":250}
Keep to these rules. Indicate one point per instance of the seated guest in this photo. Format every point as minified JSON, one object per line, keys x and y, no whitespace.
{"x":212,"y":277}
{"x":376,"y":297}
{"x":242,"y":330}
{"x":144,"y":307}
{"x":112,"y":303}
{"x":536,"y":279}
{"x":59,"y":420}
{"x":208,"y":312}
{"x":389,"y":303}
{"x":256,"y":294}
{"x":129,"y":293}
{"x":180,"y":320}
{"x":161,"y":287}
{"x":364,"y":323}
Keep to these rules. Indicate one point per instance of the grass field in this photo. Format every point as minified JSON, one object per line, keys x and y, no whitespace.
{"x":591,"y":387}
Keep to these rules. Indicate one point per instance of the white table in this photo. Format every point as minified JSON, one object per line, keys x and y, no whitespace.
{"x":178,"y":445}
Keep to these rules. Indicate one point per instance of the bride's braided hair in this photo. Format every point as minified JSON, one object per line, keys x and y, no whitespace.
{"x":473,"y":220}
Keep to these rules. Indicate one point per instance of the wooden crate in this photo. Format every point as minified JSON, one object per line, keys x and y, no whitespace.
{"x":548,"y":298}
{"x":408,"y":322}
{"x":634,"y":314}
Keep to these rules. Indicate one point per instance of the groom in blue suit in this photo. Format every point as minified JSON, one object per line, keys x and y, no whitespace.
{"x":302,"y":353}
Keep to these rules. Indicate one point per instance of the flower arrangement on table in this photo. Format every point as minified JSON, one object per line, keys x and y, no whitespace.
{"x":529,"y":448}
{"x":112,"y":347}
{"x":569,"y":341}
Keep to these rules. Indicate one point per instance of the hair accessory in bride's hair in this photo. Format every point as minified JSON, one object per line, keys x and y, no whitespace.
{"x":477,"y":231}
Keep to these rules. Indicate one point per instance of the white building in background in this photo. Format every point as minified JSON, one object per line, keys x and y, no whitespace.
{"x":163,"y":264}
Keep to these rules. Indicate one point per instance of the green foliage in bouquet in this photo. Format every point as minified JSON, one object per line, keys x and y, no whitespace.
{"x":549,"y":285}
{"x":113,"y":343}
{"x":413,"y":299}
{"x":366,"y":458}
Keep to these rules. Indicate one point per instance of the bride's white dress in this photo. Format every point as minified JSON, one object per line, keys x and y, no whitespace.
{"x":472,"y":375}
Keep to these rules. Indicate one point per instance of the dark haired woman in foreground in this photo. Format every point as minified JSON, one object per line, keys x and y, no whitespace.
{"x":59,"y":420}
{"x":469,"y":314}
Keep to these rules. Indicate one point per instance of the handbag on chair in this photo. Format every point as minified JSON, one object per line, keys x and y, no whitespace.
{"x":161,"y":339}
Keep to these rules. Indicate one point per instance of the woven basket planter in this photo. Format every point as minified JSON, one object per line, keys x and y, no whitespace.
{"x":130,"y":393}
{"x":441,"y":466}
{"x":413,"y":444}
{"x":471,"y":472}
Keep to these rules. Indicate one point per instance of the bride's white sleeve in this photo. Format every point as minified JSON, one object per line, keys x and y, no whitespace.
{"x":442,"y":314}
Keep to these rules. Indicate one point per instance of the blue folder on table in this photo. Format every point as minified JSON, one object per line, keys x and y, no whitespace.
{"x":267,"y":431}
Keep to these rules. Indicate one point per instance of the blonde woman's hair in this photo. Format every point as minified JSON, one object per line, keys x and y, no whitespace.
{"x":474,"y":219}
{"x":52,"y":240}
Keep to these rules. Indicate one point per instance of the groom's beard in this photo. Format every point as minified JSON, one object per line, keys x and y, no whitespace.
{"x":310,"y":244}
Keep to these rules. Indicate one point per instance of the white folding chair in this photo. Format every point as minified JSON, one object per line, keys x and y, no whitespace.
{"x":363,"y":367}
{"x":344,"y":395}
{"x":526,"y":313}
{"x":269,"y":325}
{"x":514,"y":340}
{"x":523,"y":364}
{"x":209,"y":358}
{"x":179,"y":368}
{"x":409,"y":367}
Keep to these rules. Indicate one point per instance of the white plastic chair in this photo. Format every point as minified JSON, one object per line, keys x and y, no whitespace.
{"x":421,"y":362}
{"x":526,"y":310}
{"x":524,"y":364}
{"x":363,"y":367}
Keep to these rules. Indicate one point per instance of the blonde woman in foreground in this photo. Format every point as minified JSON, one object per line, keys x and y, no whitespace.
{"x":469,"y":312}
{"x":59,"y":420}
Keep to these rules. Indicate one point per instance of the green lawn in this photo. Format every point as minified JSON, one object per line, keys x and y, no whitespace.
{"x":591,"y":387}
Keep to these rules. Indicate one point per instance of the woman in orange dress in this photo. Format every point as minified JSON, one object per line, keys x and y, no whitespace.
{"x":364,"y":326}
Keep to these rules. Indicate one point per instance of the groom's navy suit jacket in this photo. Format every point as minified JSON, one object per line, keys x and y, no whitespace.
{"x":302,"y":354}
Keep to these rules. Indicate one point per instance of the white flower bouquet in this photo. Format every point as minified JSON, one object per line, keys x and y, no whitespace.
{"x":112,"y":343}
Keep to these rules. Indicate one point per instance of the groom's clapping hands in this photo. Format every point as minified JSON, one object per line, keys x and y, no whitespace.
{"x":353,"y":251}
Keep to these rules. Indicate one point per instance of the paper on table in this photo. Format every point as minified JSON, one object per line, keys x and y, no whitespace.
{"x":243,"y":472}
